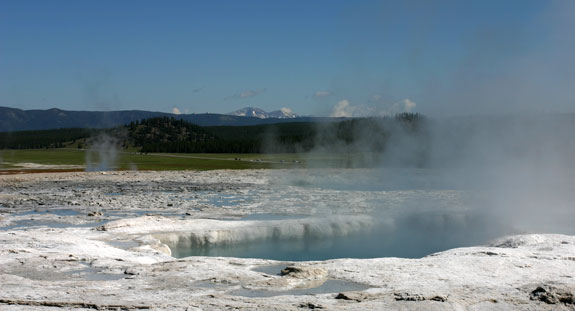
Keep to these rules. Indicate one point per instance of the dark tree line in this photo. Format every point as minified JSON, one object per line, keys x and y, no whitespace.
{"x":43,"y":139}
{"x":170,"y":135}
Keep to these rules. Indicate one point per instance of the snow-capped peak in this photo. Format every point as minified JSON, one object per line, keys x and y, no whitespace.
{"x":283,"y":113}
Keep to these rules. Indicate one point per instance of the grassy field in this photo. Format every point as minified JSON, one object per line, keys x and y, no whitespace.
{"x":10,"y":160}
{"x":124,"y":160}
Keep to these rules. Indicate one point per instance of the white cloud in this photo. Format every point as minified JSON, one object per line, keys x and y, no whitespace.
{"x":404,"y":105}
{"x":409,"y":105}
{"x":175,"y":110}
{"x":342,"y":110}
{"x":286,"y":110}
{"x":322,"y":94}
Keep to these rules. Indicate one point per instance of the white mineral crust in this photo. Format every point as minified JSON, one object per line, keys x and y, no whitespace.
{"x":87,"y":268}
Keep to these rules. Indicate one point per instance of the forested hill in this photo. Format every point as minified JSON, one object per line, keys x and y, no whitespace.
{"x":59,"y":138}
{"x":170,"y":135}
{"x":13,"y":119}
{"x":357,"y":135}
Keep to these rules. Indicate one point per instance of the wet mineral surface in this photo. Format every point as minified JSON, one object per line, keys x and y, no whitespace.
{"x":110,"y":240}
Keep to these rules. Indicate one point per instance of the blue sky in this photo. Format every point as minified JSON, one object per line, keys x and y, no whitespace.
{"x":315,"y":57}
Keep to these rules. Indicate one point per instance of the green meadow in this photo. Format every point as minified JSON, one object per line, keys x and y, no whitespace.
{"x":126,"y":160}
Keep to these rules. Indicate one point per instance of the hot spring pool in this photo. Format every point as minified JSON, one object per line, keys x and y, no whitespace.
{"x":411,"y":236}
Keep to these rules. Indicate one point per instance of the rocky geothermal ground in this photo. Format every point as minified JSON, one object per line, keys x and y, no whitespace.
{"x":105,"y":240}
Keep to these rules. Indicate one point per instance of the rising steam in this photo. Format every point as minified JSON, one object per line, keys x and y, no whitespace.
{"x":102,"y":154}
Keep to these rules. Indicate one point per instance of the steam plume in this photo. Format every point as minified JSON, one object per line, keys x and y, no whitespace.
{"x":102,"y":154}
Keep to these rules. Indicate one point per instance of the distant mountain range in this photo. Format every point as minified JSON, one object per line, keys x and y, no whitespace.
{"x":12,"y":119}
{"x":284,"y":113}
